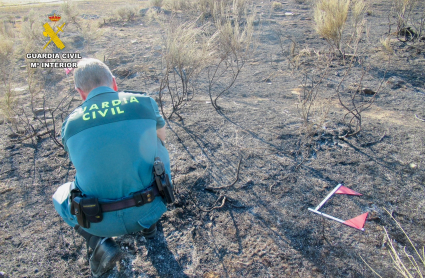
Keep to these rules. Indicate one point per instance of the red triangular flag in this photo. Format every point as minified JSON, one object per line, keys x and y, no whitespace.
{"x":68,"y":70}
{"x":347,"y":191}
{"x":357,"y":222}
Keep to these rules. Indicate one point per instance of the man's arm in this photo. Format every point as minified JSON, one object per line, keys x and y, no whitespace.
{"x":161,"y":133}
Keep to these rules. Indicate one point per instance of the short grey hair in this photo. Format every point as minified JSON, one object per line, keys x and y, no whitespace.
{"x":92,"y":73}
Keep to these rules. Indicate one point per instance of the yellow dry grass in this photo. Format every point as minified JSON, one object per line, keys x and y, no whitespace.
{"x":408,"y":264}
{"x":277,"y":6}
{"x":386,"y":45}
{"x":330,"y":17}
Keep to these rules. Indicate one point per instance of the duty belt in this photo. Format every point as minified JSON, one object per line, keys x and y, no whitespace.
{"x":138,"y":199}
{"x":90,"y":210}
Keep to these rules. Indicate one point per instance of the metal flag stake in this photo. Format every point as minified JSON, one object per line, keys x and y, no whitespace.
{"x":356,"y":222}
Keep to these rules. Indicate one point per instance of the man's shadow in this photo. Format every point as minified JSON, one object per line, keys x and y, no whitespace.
{"x":161,"y":257}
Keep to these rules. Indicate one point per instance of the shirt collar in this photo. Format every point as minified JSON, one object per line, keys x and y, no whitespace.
{"x":99,"y":90}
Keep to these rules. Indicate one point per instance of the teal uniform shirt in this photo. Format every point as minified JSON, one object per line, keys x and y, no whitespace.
{"x":112,"y":142}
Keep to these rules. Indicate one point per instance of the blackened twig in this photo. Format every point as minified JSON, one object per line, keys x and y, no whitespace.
{"x":215,"y":207}
{"x":226,"y":186}
{"x":33,"y":135}
{"x":374,"y":142}
{"x":416,"y":116}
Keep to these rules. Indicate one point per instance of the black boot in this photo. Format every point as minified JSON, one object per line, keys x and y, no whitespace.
{"x":105,"y":252}
{"x":149,"y":233}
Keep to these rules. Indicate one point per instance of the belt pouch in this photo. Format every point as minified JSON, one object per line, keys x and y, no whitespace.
{"x":77,"y":211}
{"x":92,"y":210}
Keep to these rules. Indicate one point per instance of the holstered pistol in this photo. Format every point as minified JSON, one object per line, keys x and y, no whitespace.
{"x":163,"y":181}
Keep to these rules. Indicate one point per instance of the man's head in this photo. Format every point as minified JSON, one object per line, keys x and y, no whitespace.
{"x":90,"y":74}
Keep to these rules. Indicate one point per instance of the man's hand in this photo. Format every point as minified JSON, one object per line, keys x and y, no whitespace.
{"x":161,"y":133}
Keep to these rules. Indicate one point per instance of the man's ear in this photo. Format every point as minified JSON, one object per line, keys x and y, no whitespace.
{"x":82,"y":93}
{"x":114,"y":84}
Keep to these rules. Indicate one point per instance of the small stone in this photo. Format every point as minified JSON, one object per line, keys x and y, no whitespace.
{"x":249,"y":183}
{"x":369,"y":92}
{"x":41,"y":111}
{"x":413,"y":165}
{"x":143,"y":12}
{"x":19,"y":89}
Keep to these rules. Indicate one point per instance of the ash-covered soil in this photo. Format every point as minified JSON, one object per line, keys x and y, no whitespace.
{"x":246,"y":175}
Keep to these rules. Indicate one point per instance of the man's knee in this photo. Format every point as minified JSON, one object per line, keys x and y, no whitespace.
{"x":61,"y":203}
{"x":62,"y":193}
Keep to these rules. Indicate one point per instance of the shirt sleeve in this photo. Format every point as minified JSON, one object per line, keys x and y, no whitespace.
{"x":63,"y":130}
{"x":160,"y":122}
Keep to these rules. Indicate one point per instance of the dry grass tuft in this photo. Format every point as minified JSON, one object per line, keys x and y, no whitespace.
{"x":234,"y":45}
{"x":330,"y":17}
{"x":408,"y":265}
{"x":31,"y":28}
{"x":240,"y":8}
{"x":217,"y":9}
{"x":410,"y":19}
{"x":7,"y":101}
{"x":156,"y":3}
{"x":154,"y":15}
{"x":182,"y":46}
{"x":90,"y":31}
{"x":222,"y":46}
{"x":234,"y":38}
{"x":6,"y":49}
{"x":70,"y":12}
{"x":386,"y":44}
{"x":358,"y":9}
{"x":127,"y":13}
{"x":187,"y":51}
{"x":6,"y":28}
{"x":207,"y":7}
{"x":403,"y":11}
{"x":277,"y":6}
{"x":178,"y":5}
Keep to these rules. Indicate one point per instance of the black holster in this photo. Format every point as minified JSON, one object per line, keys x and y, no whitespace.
{"x":163,"y":181}
{"x":73,"y":193}
{"x":77,"y":211}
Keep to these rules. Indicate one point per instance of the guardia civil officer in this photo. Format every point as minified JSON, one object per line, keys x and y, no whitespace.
{"x":122,"y":182}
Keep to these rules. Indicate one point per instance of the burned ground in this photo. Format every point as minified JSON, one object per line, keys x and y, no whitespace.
{"x":245,"y":175}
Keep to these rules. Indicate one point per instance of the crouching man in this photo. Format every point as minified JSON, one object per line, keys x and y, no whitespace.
{"x":115,"y":141}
